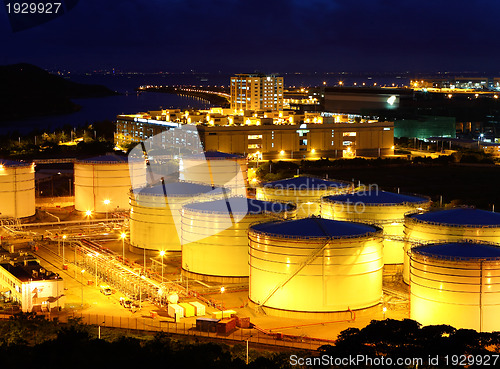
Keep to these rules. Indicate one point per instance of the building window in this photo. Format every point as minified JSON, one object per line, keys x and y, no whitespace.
{"x":254,"y":137}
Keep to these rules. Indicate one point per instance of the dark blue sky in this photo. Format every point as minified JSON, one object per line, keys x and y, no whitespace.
{"x":270,"y":36}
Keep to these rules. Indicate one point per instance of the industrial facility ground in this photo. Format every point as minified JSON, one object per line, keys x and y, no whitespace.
{"x":83,"y":297}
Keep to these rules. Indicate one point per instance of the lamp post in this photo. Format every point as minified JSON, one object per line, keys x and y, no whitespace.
{"x":140,"y":291}
{"x":162,"y":253}
{"x":83,"y":271}
{"x":222,"y":289}
{"x":64,"y":238}
{"x":88,"y":213}
{"x":107,"y":202}
{"x":122,"y":236}
{"x":96,"y":255}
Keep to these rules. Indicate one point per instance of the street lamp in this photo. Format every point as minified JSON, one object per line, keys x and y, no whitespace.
{"x":140,"y":291}
{"x":96,"y":255}
{"x":106,"y":202}
{"x":83,"y":271}
{"x":162,"y":253}
{"x":88,"y":214}
{"x":64,"y":238}
{"x":122,"y":236}
{"x":222,"y":289}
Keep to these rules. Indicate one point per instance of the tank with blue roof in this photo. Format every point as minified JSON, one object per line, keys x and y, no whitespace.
{"x":155,"y":213}
{"x":215,"y":236}
{"x":374,"y":206}
{"x":314,"y":267}
{"x":102,"y":183}
{"x":456,"y":283}
{"x":17,"y":188}
{"x":303,"y":191}
{"x":216,"y":168}
{"x":449,"y":225}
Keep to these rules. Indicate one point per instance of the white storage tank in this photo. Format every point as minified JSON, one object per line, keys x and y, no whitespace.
{"x":216,"y":168}
{"x":155,"y":213}
{"x":215,"y":236}
{"x":450,"y":225}
{"x":103,"y":183}
{"x":305,"y":192}
{"x":312,"y":266}
{"x":17,"y":189}
{"x":385,"y":209}
{"x":456,"y":283}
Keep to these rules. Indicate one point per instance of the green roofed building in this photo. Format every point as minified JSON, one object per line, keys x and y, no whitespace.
{"x":424,"y":127}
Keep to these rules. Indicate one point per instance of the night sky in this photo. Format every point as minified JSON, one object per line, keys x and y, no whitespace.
{"x":265,"y":35}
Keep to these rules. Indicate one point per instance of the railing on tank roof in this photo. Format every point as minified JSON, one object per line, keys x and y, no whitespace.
{"x":457,"y":258}
{"x":376,"y":234}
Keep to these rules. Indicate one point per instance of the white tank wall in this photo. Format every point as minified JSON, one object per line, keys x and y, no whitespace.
{"x":152,"y":225}
{"x":454,"y":293}
{"x":346,"y":275}
{"x":417,"y":231}
{"x":95,"y":183}
{"x":224,"y":251}
{"x":389,"y":217}
{"x":17,"y":191}
{"x":228,"y":172}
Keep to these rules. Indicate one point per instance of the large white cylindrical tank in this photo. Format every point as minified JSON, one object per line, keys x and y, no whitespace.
{"x":449,"y":225}
{"x":216,"y":168}
{"x":215,"y":235}
{"x":103,"y":183}
{"x":17,"y":189}
{"x":315,"y":265}
{"x":155,"y":213}
{"x":385,"y":209}
{"x":456,"y":284}
{"x":305,"y":192}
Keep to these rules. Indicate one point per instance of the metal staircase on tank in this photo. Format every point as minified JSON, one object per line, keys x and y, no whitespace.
{"x":301,"y":266}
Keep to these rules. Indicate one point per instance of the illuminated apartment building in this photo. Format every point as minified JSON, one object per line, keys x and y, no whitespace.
{"x":256,"y":92}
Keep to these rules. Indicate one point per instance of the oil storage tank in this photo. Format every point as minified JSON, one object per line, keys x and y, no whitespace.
{"x":103,"y":183}
{"x":216,"y":168}
{"x":155,"y":213}
{"x":304,"y":191}
{"x":456,"y":283}
{"x":215,"y":236}
{"x":17,"y":189}
{"x":314,"y":267}
{"x":385,"y":209}
{"x":449,"y":225}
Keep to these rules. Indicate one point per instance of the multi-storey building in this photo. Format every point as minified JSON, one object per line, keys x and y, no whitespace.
{"x":25,"y":281}
{"x":256,"y":92}
{"x":274,"y":135}
{"x":304,"y":141}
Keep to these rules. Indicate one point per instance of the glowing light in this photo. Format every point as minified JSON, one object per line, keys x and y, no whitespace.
{"x":313,"y":151}
{"x":106,"y":202}
{"x":222,"y":289}
{"x":162,"y":253}
{"x":391,"y":100}
{"x":282,"y":152}
{"x":88,"y":213}
{"x":123,"y":235}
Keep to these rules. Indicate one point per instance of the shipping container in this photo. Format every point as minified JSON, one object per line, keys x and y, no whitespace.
{"x":199,"y":308}
{"x":225,"y":326}
{"x":206,"y":324}
{"x":175,"y":310}
{"x":189,"y":309}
